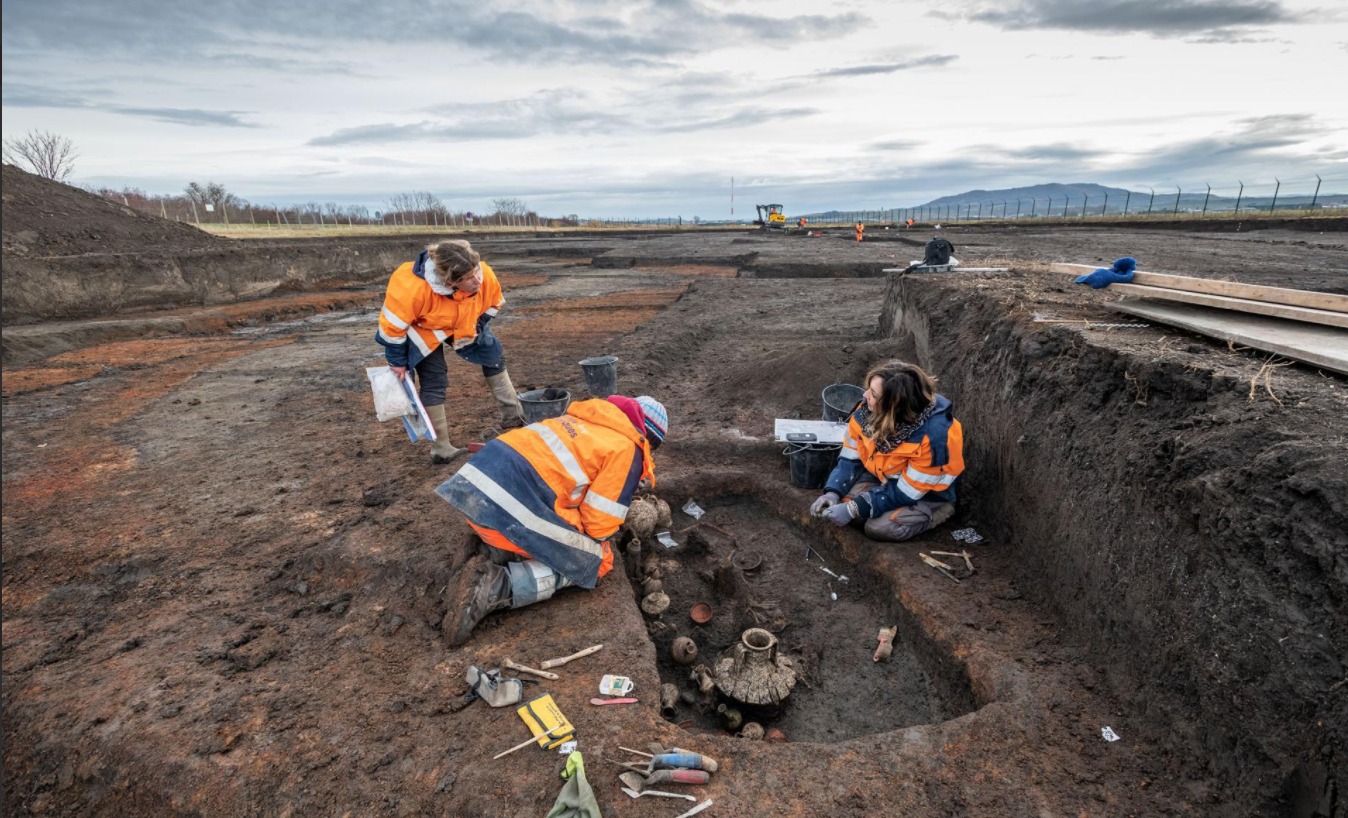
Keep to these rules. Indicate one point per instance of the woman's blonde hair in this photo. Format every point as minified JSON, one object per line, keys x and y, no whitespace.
{"x":906,"y":390}
{"x":455,"y":258}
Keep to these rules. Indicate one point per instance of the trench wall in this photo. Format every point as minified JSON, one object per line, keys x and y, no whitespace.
{"x":1195,"y":542}
{"x":108,"y":284}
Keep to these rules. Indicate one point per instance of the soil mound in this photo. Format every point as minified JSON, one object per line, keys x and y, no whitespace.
{"x":46,"y":218}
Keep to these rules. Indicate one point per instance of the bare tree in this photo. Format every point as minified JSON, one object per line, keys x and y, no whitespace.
{"x":510,"y":207}
{"x":49,"y":155}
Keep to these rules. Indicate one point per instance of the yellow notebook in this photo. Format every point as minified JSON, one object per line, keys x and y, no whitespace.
{"x":541,"y":715}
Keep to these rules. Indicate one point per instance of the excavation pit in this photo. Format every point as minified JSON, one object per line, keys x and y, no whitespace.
{"x":817,"y":628}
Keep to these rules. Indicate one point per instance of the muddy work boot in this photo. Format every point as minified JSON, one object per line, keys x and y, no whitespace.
{"x":480,"y":588}
{"x":942,"y":513}
{"x":512,"y":414}
{"x":442,"y":451}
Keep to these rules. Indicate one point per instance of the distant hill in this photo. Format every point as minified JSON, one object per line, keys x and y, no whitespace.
{"x":1097,"y":199}
{"x":1059,"y":199}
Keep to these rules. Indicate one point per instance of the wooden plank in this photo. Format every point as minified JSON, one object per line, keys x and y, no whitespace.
{"x":1320,"y":346}
{"x":1325,"y":317}
{"x":1256,"y":292}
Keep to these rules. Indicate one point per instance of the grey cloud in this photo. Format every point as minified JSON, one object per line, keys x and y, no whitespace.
{"x":888,"y":68}
{"x":1161,"y":18}
{"x":617,"y":33}
{"x":563,"y":112}
{"x":895,"y":145}
{"x":1057,"y":152}
{"x":738,"y":119}
{"x":184,"y":116}
{"x":32,"y":96}
{"x":1224,"y":36}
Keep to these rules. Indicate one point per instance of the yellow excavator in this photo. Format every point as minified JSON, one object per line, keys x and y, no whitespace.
{"x":770,"y":216}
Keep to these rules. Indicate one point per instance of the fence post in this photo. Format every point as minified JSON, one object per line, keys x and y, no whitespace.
{"x":1178,"y":193}
{"x":1206,"y":196}
{"x":1274,"y":203}
{"x":1151,"y":201}
{"x":1239,"y":195}
{"x":1018,"y":208}
{"x":1317,"y":191}
{"x":195,"y":216}
{"x":1066,"y":201}
{"x":1104,"y":209}
{"x":1085,"y":197}
{"x":1126,"y":199}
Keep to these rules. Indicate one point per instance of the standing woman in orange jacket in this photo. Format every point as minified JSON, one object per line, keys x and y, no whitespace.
{"x":902,"y":452}
{"x":861,"y":230}
{"x":446,"y":298}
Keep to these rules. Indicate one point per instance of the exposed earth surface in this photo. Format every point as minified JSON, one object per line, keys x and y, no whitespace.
{"x":223,"y":579}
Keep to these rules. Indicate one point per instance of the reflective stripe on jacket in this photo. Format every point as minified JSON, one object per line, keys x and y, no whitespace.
{"x":555,"y":488}
{"x":415,"y":319}
{"x":923,"y":466}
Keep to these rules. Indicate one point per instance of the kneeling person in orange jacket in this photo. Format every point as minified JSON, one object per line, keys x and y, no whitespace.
{"x":549,"y":496}
{"x":902,"y":453}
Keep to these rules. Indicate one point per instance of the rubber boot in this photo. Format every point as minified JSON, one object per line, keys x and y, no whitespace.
{"x":512,"y":414}
{"x":442,"y":451}
{"x":480,"y":588}
{"x":942,"y":514}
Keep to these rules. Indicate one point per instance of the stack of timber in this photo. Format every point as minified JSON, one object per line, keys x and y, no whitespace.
{"x":1304,"y":325}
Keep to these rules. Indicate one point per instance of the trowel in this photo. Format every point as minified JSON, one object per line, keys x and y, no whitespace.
{"x":635,"y":782}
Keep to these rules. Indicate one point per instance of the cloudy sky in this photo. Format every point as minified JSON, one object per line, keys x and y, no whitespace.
{"x":632,"y":108}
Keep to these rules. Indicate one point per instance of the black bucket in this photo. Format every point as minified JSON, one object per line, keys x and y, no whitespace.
{"x":541,"y":404}
{"x":811,"y":463}
{"x":601,"y":375}
{"x":840,"y":399}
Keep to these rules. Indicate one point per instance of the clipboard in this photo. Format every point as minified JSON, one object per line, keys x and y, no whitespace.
{"x":418,"y":425}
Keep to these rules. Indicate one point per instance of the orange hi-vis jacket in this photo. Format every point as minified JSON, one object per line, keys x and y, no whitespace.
{"x":416,"y":320}
{"x":923,"y":466}
{"x":557,"y":489}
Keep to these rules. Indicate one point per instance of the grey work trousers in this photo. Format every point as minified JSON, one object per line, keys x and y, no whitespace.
{"x":904,"y":522}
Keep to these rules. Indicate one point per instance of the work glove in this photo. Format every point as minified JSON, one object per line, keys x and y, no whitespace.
{"x":1120,"y":273}
{"x":492,"y":688}
{"x":484,"y":336}
{"x":826,"y":501}
{"x":841,"y":514}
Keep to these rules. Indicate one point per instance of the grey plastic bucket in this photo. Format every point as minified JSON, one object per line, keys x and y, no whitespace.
{"x":840,"y":399}
{"x":811,"y":463}
{"x":541,"y":404}
{"x":601,"y":375}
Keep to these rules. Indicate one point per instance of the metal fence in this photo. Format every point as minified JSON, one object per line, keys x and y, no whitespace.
{"x":1316,"y":195}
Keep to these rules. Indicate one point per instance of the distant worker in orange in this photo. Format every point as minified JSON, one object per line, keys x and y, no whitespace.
{"x":910,"y":223}
{"x":801,"y":223}
{"x":861,"y":230}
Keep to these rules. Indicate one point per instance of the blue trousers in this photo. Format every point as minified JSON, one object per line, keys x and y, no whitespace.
{"x":433,"y":376}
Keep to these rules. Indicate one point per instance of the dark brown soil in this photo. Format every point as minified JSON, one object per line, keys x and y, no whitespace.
{"x":222,"y":578}
{"x":45,"y":218}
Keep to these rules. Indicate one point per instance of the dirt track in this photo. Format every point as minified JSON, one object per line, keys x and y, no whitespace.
{"x":222,"y":577}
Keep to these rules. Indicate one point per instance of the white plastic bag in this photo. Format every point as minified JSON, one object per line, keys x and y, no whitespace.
{"x":390,"y":399}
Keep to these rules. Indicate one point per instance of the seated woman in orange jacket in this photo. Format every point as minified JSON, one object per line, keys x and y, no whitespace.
{"x":902,"y":452}
{"x":547,"y":498}
{"x":445,"y":299}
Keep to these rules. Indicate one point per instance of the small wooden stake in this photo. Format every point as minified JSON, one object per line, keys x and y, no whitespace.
{"x":522,"y":669}
{"x":526,"y":743}
{"x":551,"y":663}
{"x":939,"y":566}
